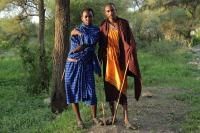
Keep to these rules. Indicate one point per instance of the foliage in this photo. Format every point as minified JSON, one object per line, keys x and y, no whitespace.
{"x":29,"y":52}
{"x":21,"y":112}
{"x":196,"y":37}
{"x":195,"y":41}
{"x":172,"y":70}
{"x":11,"y":25}
{"x":171,"y":19}
{"x":150,"y":28}
{"x":97,"y":6}
{"x":4,"y":3}
{"x":159,"y":26}
{"x":163,"y":48}
{"x":29,"y":55}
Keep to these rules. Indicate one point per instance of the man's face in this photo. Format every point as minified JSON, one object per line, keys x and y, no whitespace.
{"x":110,"y":12}
{"x":87,"y":17}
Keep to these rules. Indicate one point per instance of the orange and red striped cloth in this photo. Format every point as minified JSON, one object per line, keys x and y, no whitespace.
{"x":114,"y":74}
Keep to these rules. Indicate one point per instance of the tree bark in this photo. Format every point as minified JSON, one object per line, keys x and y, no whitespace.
{"x":42,"y":61}
{"x":62,"y":19}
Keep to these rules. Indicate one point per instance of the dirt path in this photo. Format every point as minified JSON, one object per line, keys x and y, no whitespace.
{"x":161,"y":113}
{"x":196,"y":59}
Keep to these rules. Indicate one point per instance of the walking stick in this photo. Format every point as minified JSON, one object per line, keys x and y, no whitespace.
{"x":120,"y":92}
{"x":63,"y":75}
{"x":103,"y":112}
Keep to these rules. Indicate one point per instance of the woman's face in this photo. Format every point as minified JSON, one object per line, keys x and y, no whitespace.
{"x":110,"y":12}
{"x":87,"y":17}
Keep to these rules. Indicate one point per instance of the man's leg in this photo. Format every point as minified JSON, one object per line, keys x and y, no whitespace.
{"x":126,"y":119}
{"x":125,"y":112}
{"x":94,"y":116}
{"x":94,"y":111}
{"x":112,"y":108}
{"x":75,"y":108}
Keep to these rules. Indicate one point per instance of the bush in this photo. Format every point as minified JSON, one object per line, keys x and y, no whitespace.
{"x":4,"y":45}
{"x":163,"y":48}
{"x":30,"y":57}
{"x":195,"y":41}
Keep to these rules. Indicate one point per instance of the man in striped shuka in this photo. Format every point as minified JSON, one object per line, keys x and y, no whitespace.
{"x":80,"y":66}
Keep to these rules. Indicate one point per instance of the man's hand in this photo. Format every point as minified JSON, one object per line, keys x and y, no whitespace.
{"x":75,"y":32}
{"x":78,"y":49}
{"x":72,"y":59}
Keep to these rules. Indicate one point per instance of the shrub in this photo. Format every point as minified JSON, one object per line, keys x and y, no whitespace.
{"x":163,"y":48}
{"x":30,"y":57}
{"x":195,"y":41}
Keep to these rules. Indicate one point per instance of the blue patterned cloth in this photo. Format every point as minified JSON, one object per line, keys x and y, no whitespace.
{"x":79,"y":76}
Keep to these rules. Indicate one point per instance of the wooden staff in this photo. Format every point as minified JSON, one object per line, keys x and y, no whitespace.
{"x":113,"y":120}
{"x":63,"y":75}
{"x":103,"y":112}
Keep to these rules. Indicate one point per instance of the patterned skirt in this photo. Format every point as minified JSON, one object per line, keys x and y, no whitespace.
{"x":80,"y":83}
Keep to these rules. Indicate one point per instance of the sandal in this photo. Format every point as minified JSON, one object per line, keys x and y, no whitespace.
{"x":97,"y":121}
{"x":130,"y":126}
{"x":80,"y":125}
{"x":109,"y":120}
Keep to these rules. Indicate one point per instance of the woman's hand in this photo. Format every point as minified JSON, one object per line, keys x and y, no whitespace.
{"x":75,"y":32}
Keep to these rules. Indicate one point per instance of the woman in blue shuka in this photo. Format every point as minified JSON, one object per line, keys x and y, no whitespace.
{"x":80,"y":66}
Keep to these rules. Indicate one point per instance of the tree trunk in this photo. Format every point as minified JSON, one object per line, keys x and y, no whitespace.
{"x":43,"y":64}
{"x":62,"y":12}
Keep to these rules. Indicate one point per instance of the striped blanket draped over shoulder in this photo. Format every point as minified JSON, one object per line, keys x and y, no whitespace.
{"x":79,"y":76}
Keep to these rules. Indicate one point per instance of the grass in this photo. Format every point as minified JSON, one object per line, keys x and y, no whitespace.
{"x":22,"y":112}
{"x":172,"y":70}
{"x":19,"y":111}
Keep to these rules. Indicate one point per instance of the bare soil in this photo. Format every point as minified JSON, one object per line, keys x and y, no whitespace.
{"x":158,"y":113}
